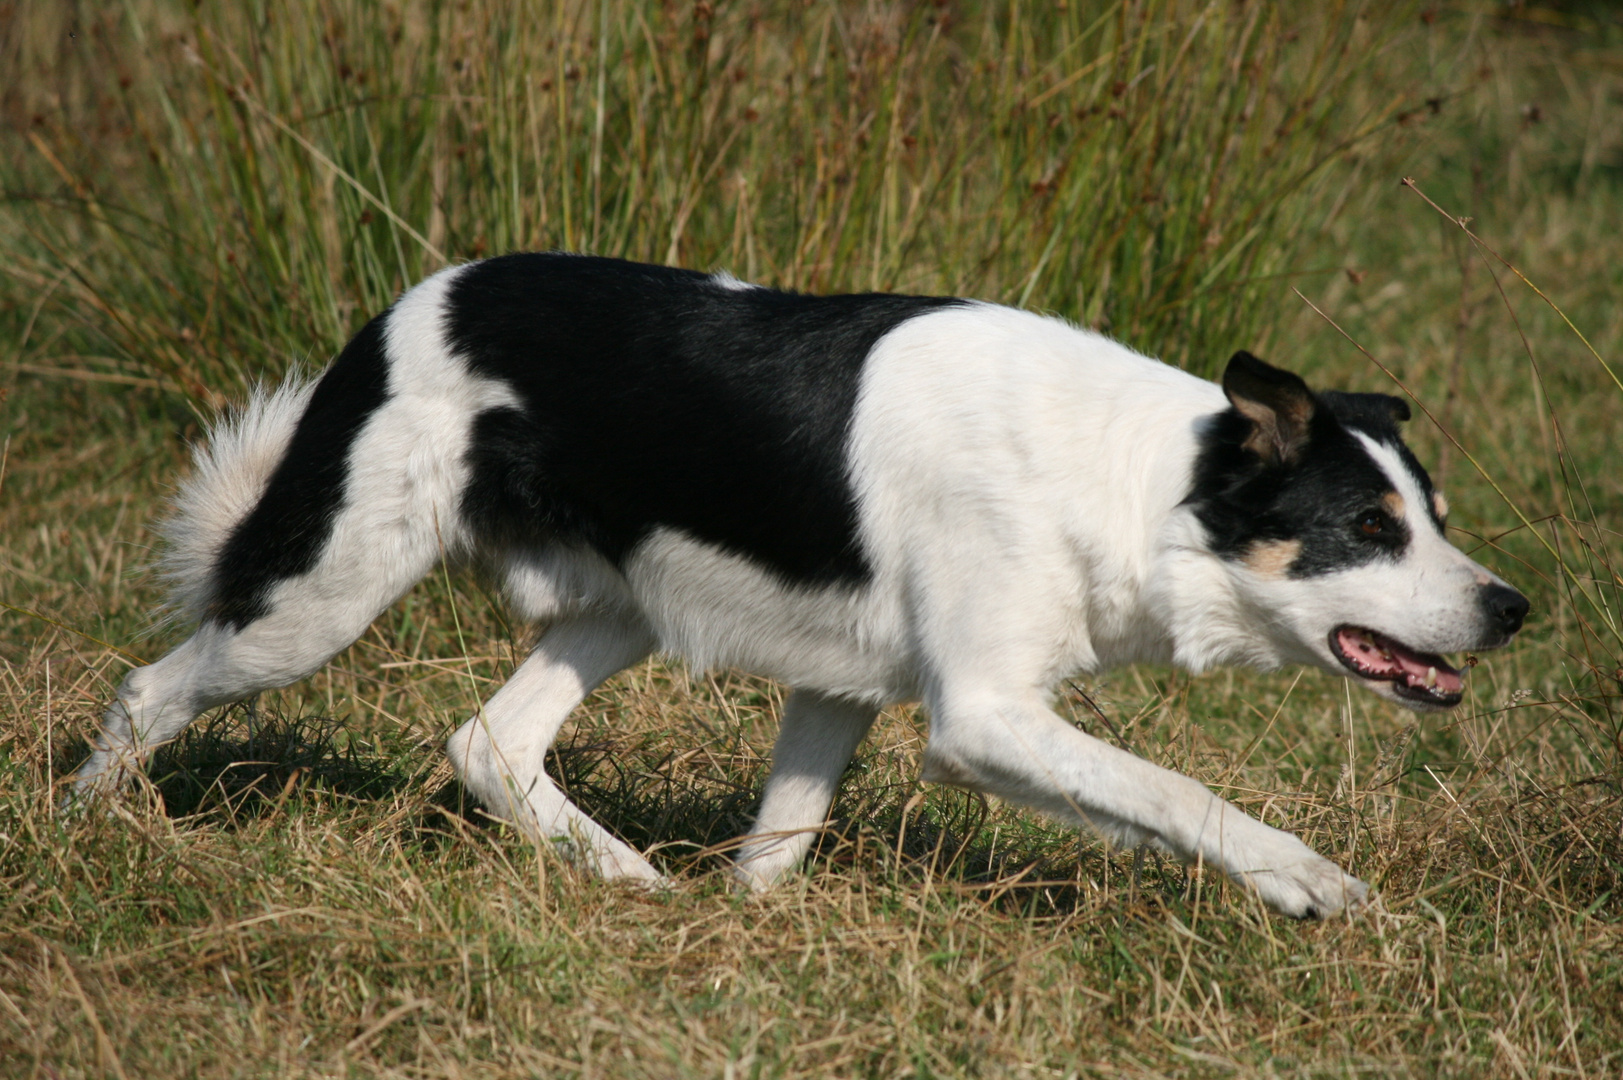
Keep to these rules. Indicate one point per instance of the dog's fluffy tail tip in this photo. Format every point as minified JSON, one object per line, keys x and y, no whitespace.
{"x":231,"y":467}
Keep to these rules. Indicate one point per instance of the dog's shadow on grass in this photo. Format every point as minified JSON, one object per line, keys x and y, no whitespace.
{"x":237,"y":766}
{"x":883,"y":829}
{"x":234,"y":767}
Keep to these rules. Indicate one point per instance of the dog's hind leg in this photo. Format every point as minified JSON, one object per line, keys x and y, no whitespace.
{"x":815,"y":742}
{"x":310,"y":618}
{"x":307,"y":515}
{"x":154,"y":704}
{"x":500,"y":753}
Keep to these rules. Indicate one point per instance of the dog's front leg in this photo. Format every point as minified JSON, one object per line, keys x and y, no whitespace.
{"x":1020,"y":750}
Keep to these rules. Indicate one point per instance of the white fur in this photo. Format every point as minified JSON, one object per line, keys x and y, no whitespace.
{"x":1020,"y":488}
{"x":230,"y":469}
{"x":726,"y":280}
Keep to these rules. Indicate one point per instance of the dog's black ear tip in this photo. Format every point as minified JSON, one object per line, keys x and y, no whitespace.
{"x":1248,"y":374}
{"x":1244,"y":361}
{"x":1374,"y":408}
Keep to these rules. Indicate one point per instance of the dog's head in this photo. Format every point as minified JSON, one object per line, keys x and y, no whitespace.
{"x":1331,"y":530}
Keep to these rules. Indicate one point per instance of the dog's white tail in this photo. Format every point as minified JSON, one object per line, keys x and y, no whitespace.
{"x":230,"y":471}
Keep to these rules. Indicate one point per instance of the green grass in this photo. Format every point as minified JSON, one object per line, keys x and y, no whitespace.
{"x":199,"y":198}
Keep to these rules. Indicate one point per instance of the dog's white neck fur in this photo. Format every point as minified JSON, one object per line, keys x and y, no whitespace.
{"x":1031,"y":402}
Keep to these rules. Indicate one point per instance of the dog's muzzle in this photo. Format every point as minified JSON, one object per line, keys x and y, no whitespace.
{"x":1422,"y":679}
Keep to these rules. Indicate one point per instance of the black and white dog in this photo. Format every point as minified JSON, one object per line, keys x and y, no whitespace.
{"x":872,"y":498}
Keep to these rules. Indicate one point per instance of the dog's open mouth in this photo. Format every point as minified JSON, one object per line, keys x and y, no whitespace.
{"x":1420,"y":677}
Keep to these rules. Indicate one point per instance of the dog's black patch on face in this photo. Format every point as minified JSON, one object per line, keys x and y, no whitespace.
{"x":284,"y":534}
{"x":655,"y":397}
{"x":1378,"y":416}
{"x":1329,"y":496}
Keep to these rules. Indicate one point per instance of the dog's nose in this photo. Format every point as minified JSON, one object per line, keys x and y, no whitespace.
{"x":1505,"y":606}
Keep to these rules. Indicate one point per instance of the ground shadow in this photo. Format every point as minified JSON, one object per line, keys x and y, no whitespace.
{"x":236,"y":766}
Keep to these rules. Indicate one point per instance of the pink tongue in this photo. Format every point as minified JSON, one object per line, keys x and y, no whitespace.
{"x":1397,"y":661}
{"x":1414,"y":668}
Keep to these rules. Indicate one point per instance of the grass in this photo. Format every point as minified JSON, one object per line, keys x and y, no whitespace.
{"x":197,"y":198}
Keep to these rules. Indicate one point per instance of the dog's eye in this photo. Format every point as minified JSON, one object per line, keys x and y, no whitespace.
{"x":1372,"y":525}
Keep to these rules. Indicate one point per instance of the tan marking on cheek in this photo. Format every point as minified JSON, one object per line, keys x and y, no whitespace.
{"x":1273,"y":558}
{"x":1439,"y":506}
{"x":1394,"y":505}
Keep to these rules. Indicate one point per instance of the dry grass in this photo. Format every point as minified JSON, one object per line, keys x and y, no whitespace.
{"x":304,"y":904}
{"x":304,"y":890}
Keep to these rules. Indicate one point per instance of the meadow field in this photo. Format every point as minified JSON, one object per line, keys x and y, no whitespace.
{"x":1419,"y":198}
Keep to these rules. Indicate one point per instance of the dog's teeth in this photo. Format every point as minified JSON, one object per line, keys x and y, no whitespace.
{"x":1386,"y":654}
{"x":1431,"y":677}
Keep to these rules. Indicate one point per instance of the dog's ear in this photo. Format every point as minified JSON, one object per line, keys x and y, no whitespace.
{"x":1278,"y":404}
{"x":1391,"y":408}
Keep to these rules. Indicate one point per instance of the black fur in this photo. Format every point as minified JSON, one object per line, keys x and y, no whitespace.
{"x":284,"y":534}
{"x":1322,"y":497}
{"x":656,"y":397}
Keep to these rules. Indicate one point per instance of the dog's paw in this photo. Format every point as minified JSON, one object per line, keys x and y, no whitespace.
{"x":748,"y":877}
{"x":649,"y":883}
{"x":1309,"y":887}
{"x":78,"y":804}
{"x":615,"y":861}
{"x":97,"y":787}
